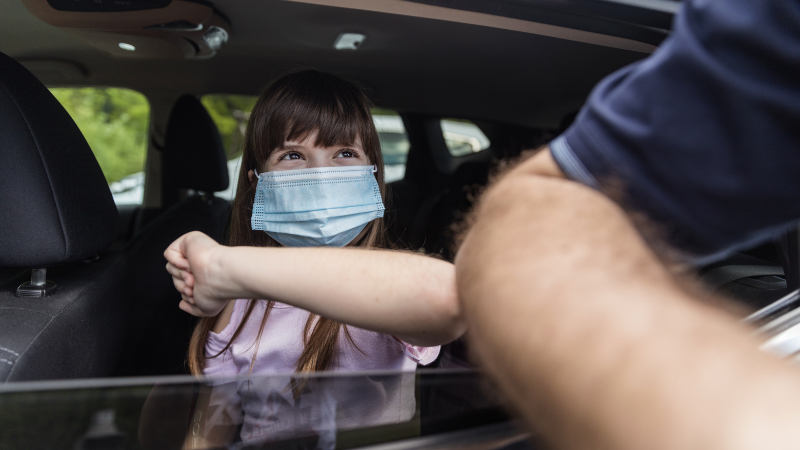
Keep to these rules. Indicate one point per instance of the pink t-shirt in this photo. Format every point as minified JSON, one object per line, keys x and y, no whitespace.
{"x":282,"y":343}
{"x":266,"y":406}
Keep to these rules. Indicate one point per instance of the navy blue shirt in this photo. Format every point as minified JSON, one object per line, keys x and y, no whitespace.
{"x":705,"y":133}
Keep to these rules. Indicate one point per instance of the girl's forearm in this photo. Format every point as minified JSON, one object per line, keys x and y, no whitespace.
{"x":403,"y":294}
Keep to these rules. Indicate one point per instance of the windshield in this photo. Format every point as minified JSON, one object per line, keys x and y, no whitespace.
{"x":326,"y":411}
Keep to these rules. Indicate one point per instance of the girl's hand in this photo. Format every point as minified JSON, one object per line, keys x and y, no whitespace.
{"x":192,"y":260}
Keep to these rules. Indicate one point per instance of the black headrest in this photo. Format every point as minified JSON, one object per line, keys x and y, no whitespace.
{"x":55,"y":206}
{"x":471,"y":173}
{"x":194,"y":157}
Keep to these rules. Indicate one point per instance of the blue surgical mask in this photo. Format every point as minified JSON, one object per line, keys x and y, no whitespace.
{"x":326,"y":206}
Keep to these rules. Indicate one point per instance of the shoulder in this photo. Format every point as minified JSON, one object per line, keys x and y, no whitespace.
{"x":227,"y":321}
{"x":696,"y":134}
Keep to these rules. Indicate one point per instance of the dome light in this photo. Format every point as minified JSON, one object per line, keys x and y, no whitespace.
{"x":215,"y":37}
{"x":127,"y":47}
{"x":348,"y":41}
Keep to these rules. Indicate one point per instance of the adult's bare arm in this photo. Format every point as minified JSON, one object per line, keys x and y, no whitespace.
{"x":591,"y":339}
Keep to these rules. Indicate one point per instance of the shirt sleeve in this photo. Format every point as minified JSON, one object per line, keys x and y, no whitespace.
{"x":420,"y":355}
{"x":704,"y":135}
{"x":218,"y":363}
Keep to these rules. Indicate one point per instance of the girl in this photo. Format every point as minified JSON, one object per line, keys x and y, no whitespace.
{"x":311,"y":176}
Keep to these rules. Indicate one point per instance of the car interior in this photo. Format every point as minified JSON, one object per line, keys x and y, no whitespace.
{"x":461,"y":89}
{"x":83,"y":290}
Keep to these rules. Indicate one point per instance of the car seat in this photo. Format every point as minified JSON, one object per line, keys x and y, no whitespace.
{"x":194,"y":159}
{"x":753,"y":278}
{"x":58,"y":216}
{"x":452,"y":206}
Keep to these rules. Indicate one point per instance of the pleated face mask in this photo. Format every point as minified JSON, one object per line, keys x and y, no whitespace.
{"x":326,"y":206}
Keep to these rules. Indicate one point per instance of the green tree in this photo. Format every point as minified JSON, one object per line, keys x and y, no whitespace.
{"x":114,"y":122}
{"x":230,"y":114}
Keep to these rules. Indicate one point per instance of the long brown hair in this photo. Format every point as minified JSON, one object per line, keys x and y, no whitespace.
{"x":292,"y":108}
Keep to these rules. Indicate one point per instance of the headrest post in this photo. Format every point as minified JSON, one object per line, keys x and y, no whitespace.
{"x":38,"y":277}
{"x":39,"y":286}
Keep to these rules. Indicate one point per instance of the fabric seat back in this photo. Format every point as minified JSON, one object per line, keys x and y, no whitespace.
{"x":58,"y":214}
{"x":194,"y":158}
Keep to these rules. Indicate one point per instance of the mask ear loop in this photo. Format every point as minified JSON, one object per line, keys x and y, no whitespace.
{"x":255,"y":172}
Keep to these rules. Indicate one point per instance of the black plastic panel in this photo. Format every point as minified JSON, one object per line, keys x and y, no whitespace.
{"x":107,"y":5}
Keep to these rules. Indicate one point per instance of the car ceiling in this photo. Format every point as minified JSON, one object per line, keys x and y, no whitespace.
{"x":408,"y":63}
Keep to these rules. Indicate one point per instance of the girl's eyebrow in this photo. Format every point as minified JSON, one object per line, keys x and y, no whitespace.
{"x":351,"y":145}
{"x":298,"y":146}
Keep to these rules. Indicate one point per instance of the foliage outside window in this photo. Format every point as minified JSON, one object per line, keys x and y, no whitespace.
{"x":230,"y":114}
{"x":114,"y":121}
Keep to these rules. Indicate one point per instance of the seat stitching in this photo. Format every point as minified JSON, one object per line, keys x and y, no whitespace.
{"x":25,"y":309}
{"x":53,"y":317}
{"x":9,"y":351}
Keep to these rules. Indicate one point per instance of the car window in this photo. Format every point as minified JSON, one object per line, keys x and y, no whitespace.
{"x":394,"y":143}
{"x":114,"y":122}
{"x":231,"y":112}
{"x":463,"y":137}
{"x":332,"y":410}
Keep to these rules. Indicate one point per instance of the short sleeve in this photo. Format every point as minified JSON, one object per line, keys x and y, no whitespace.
{"x":219,"y":363}
{"x":704,"y":135}
{"x":420,"y":355}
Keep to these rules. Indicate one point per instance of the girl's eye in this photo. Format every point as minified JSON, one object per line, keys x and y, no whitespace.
{"x":348,"y":153}
{"x":291,"y":155}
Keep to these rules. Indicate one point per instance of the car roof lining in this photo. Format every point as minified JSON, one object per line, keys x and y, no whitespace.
{"x":421,"y":10}
{"x":407,"y":63}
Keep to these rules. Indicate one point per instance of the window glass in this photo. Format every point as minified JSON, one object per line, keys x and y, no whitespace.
{"x":231,"y":112}
{"x":463,"y":137}
{"x":394,"y":143}
{"x":337,"y":410}
{"x":114,"y":122}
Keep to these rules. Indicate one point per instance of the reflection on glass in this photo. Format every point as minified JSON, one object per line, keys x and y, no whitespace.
{"x":259,"y":411}
{"x":329,"y":410}
{"x":102,"y":433}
